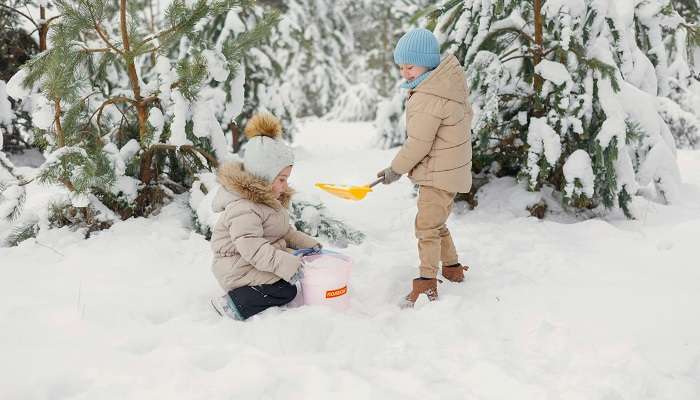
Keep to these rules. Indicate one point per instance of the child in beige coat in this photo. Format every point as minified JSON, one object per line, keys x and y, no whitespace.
{"x":437,"y":152}
{"x":252,"y":240}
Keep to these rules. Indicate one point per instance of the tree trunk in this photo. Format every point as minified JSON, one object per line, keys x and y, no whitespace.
{"x":60,"y":137}
{"x":537,"y":57}
{"x":133,"y":75}
{"x":145,"y":174}
{"x":43,"y":29}
{"x":235,"y":137}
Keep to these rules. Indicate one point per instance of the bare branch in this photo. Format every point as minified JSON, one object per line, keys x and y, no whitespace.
{"x":113,"y":100}
{"x":101,"y":34}
{"x":20,"y":13}
{"x":187,"y":147}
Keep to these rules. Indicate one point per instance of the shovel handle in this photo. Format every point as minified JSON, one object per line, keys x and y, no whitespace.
{"x":375,"y":183}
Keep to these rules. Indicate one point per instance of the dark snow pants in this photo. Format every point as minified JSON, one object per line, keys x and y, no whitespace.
{"x":250,"y":300}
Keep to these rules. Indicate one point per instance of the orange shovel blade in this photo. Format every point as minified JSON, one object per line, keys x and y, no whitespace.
{"x":345,"y":192}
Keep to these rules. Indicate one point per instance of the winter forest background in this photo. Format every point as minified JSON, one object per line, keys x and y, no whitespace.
{"x":133,"y":102}
{"x":581,"y":230}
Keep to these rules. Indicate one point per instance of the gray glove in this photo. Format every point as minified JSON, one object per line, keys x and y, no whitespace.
{"x":389,"y":176}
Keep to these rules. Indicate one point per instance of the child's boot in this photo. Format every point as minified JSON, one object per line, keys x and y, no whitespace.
{"x":454,"y":273}
{"x":223,"y":305}
{"x":420,"y":286}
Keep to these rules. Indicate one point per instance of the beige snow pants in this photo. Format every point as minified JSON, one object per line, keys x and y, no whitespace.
{"x":434,"y":239}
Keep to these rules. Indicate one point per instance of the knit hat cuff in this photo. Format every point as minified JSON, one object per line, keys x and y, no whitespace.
{"x":430,"y":60}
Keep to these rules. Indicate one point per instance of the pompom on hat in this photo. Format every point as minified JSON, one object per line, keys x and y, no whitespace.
{"x":265,"y":154}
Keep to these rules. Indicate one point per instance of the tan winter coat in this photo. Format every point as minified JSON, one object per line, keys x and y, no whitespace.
{"x":251,"y":240}
{"x":438,"y":150}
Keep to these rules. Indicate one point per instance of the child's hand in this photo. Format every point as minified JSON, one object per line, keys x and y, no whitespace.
{"x":308,"y":250}
{"x":299,"y":274}
{"x":389,"y":176}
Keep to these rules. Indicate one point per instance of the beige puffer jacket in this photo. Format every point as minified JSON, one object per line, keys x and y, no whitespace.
{"x":438,"y":150}
{"x":252,"y":239}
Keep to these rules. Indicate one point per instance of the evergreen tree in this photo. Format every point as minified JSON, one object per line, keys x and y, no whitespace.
{"x":564,"y":95}
{"x":16,"y":47}
{"x":318,"y":41}
{"x":124,"y":99}
{"x":297,"y":71}
{"x":681,"y":71}
{"x":259,"y":68}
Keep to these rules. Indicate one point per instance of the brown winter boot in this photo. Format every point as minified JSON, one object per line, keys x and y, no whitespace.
{"x":427,"y":286}
{"x":454,"y":273}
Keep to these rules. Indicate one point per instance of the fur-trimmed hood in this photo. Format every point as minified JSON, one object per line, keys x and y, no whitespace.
{"x":241,"y":184}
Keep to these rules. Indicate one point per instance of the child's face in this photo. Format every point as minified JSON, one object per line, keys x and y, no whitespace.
{"x":410,"y":72}
{"x":279,"y":185}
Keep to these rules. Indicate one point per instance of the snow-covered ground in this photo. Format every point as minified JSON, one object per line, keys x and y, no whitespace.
{"x":555,"y":309}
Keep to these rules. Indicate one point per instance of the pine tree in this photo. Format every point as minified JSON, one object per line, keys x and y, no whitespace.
{"x":258,"y":68}
{"x":296,"y":72}
{"x":564,"y":96}
{"x":322,"y":40}
{"x":125,"y":124}
{"x":313,"y":219}
{"x":681,"y":71}
{"x":16,"y":47}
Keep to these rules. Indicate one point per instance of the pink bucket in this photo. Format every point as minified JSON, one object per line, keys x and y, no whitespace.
{"x":326,"y":278}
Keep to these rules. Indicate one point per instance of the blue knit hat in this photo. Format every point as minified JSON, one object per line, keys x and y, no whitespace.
{"x":418,"y":47}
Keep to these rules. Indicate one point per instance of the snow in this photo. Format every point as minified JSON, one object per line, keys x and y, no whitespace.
{"x":113,"y":154}
{"x":181,"y":110}
{"x":578,"y":167}
{"x":128,"y":186}
{"x":555,"y":308}
{"x":162,"y":66}
{"x":233,"y":22}
{"x":129,"y":150}
{"x":574,"y":8}
{"x":205,"y":124}
{"x":6,"y":113}
{"x":659,"y":167}
{"x":216,"y":65}
{"x":522,"y":118}
{"x":202,"y":203}
{"x":10,"y":199}
{"x":543,"y":141}
{"x":57,"y":154}
{"x":42,"y":111}
{"x":79,"y":199}
{"x":624,"y":171}
{"x":553,"y":71}
{"x":155,"y":118}
{"x":235,"y":106}
{"x":15,"y":88}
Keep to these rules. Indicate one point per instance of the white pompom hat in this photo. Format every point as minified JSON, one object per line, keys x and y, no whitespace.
{"x":265,"y":154}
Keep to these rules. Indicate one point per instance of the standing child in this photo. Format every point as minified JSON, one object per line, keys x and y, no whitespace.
{"x":437,"y":152}
{"x":252,"y":239}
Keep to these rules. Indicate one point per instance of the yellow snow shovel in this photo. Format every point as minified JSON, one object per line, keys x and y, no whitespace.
{"x":348,"y":192}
